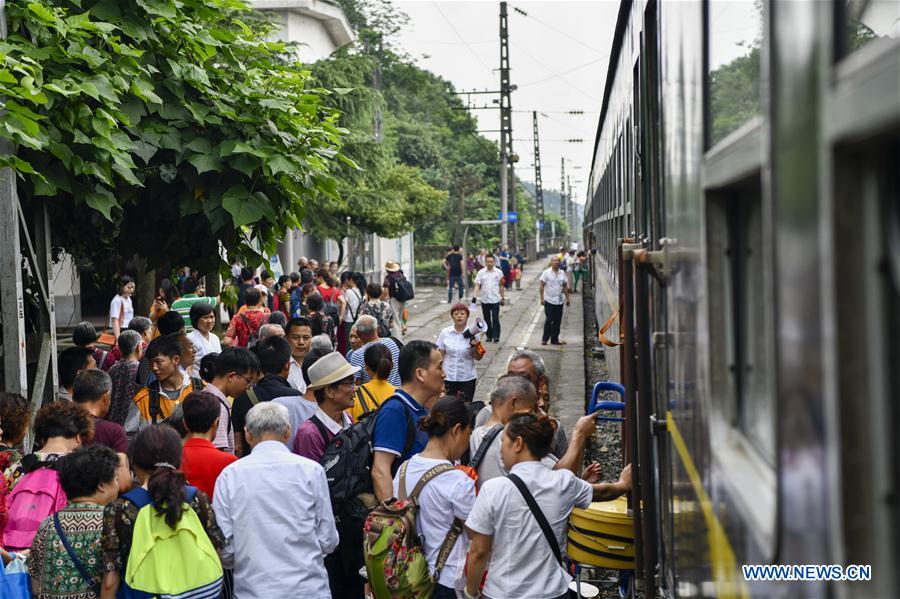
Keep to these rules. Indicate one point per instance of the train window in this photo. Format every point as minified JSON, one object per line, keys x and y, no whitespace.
{"x":863,"y":22}
{"x":740,"y":337}
{"x":734,"y":35}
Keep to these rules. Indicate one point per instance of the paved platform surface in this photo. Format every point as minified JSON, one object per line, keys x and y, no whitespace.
{"x":521,"y":325}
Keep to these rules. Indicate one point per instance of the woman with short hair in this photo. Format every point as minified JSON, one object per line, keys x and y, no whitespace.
{"x":124,"y":375}
{"x":203,"y":320}
{"x":460,"y":354}
{"x":66,"y":560}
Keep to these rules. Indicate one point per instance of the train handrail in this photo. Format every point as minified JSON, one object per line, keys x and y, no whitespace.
{"x":613,"y":406}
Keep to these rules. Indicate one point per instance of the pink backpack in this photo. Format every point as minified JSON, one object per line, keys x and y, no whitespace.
{"x":37,"y":496}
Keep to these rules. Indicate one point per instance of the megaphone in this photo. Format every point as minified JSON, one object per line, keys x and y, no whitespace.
{"x":477,"y":327}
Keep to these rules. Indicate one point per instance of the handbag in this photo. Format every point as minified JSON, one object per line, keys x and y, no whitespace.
{"x":15,"y":583}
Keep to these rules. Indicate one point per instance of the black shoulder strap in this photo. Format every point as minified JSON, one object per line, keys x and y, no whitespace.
{"x":196,"y":384}
{"x":410,"y":424}
{"x":475,"y":462}
{"x":362,"y":400}
{"x":154,"y":408}
{"x":539,"y":516}
{"x":79,"y":565}
{"x":321,"y":426}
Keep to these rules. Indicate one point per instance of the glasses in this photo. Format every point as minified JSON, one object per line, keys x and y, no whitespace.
{"x":249,"y":381}
{"x":347,"y":381}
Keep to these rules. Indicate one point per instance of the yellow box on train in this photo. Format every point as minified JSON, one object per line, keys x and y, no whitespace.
{"x":602,"y":535}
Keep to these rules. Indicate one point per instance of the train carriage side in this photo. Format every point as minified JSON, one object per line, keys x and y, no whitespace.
{"x":762,"y":177}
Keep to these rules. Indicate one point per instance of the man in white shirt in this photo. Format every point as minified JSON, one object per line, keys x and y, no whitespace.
{"x":554,"y":291}
{"x":275,"y":495}
{"x":488,"y":287}
{"x":299,"y":334}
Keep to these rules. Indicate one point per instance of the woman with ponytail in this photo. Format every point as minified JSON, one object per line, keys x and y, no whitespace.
{"x":155,"y":457}
{"x":445,"y":502}
{"x":378,"y":363}
{"x":505,"y":529}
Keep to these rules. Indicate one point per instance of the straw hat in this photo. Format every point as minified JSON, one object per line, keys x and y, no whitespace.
{"x":391,"y":266}
{"x":328,"y":369}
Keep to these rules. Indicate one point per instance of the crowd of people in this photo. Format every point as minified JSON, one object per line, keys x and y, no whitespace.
{"x":257,"y":465}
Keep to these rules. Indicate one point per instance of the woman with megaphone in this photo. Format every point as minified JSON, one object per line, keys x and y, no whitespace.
{"x":461,"y":346}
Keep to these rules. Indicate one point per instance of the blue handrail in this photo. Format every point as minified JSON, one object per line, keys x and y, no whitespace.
{"x":613,"y":406}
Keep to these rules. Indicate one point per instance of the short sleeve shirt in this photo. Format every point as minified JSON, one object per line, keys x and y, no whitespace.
{"x":110,"y":434}
{"x":554,"y":283}
{"x":489,"y":281}
{"x":446,"y":497}
{"x":459,"y":360}
{"x":358,"y":358}
{"x":121,"y":306}
{"x":454,"y":261}
{"x":391,"y":426}
{"x":522,"y":563}
{"x":183,"y":306}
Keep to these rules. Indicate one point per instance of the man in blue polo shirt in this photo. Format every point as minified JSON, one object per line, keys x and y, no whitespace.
{"x":397,"y":436}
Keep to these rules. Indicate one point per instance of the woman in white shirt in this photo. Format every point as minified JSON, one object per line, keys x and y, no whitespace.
{"x":120,"y":309}
{"x":504,"y":530}
{"x":445,"y":499}
{"x":459,"y":355}
{"x":353,"y":297}
{"x":203,"y":319}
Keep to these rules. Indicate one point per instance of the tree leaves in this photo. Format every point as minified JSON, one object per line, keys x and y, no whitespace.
{"x":130,"y":108}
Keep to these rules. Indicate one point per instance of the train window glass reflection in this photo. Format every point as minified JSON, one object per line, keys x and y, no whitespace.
{"x":734,"y":33}
{"x":740,"y":339}
{"x":866,"y":21}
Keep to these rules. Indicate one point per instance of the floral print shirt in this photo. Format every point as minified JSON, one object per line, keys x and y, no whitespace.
{"x":51,"y":568}
{"x":118,"y":527}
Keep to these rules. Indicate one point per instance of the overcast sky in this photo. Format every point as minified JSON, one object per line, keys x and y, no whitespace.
{"x":558,"y":58}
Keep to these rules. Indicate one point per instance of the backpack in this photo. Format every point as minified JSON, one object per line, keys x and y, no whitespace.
{"x":37,"y":496}
{"x":348,"y":457}
{"x":254,"y":331}
{"x":376,"y":311}
{"x":401,"y":289}
{"x":395,"y":562}
{"x":330,"y":307}
{"x":179,"y":562}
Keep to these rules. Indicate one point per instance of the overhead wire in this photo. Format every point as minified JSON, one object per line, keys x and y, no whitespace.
{"x":557,"y":75}
{"x":465,"y":43}
{"x":557,"y":30}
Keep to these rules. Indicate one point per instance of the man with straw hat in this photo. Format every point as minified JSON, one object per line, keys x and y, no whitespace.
{"x":333,"y":382}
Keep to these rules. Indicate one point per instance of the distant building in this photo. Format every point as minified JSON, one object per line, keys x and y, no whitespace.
{"x":320,"y":27}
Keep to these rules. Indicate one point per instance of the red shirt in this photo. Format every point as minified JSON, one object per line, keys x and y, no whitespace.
{"x":202,"y":463}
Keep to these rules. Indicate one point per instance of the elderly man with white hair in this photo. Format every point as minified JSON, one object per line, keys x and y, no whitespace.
{"x":275,"y":495}
{"x":367,"y":331}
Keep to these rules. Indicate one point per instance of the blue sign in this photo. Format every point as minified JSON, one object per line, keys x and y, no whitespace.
{"x":511,"y":217}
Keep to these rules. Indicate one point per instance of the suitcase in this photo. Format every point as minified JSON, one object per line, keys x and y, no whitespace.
{"x":602,"y":535}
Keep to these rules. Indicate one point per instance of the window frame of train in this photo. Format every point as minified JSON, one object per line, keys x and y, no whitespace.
{"x":861,"y":135}
{"x":740,"y":305}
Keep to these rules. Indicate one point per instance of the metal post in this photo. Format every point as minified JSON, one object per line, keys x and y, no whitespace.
{"x":507,"y":158}
{"x":538,"y":185}
{"x":12,"y":309}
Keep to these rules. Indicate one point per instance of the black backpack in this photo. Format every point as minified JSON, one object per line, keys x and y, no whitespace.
{"x":384,"y":326}
{"x":331,"y":308}
{"x":403,"y":290}
{"x":348,"y":457}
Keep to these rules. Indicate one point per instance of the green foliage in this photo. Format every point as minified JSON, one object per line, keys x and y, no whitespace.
{"x":160,"y":128}
{"x":734,"y":94}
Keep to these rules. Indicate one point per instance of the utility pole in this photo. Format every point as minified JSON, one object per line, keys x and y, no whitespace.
{"x":507,"y":158}
{"x":538,"y":186}
{"x":570,"y":210}
{"x":563,"y":208}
